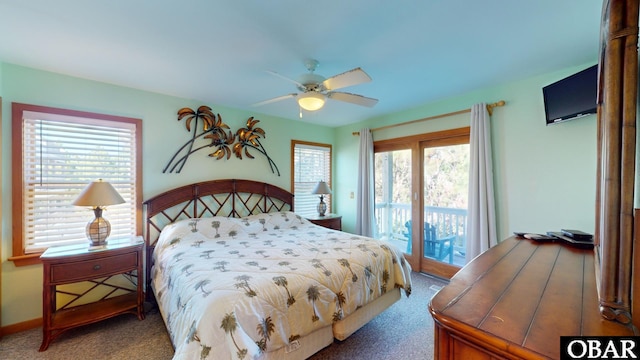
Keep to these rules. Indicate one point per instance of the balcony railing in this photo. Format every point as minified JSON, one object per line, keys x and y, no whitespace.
{"x":392,"y":217}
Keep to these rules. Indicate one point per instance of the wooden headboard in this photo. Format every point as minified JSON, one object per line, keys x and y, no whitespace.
{"x":228,"y":197}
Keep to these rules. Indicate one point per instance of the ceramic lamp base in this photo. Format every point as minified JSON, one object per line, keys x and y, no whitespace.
{"x":322,"y":207}
{"x":98,"y":229}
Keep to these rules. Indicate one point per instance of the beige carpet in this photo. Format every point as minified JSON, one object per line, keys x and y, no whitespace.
{"x":404,"y":331}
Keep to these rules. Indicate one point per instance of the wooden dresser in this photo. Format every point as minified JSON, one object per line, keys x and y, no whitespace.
{"x":515,"y":301}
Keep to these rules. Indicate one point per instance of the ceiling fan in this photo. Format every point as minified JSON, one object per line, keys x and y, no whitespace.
{"x":314,"y":89}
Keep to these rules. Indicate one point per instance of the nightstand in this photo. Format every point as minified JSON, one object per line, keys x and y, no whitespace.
{"x":331,"y":221}
{"x":72,"y":264}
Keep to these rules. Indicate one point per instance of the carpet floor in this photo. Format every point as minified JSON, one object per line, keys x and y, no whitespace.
{"x":404,"y":331}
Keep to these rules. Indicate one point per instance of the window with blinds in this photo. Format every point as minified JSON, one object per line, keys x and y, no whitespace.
{"x":311,"y":163}
{"x":60,"y":156}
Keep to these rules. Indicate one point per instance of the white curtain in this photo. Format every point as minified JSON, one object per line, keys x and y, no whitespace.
{"x":481,"y":220}
{"x":365,"y":215}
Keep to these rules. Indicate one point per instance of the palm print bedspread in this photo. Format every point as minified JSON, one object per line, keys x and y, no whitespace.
{"x":232,"y":288}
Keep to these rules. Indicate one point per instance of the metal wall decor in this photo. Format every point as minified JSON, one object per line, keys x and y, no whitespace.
{"x":249,"y":137}
{"x":224,"y":143}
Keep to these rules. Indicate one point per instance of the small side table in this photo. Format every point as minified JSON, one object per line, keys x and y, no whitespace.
{"x":77,"y":263}
{"x":330,"y":221}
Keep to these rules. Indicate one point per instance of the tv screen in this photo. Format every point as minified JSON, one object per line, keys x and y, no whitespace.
{"x":571,"y":97}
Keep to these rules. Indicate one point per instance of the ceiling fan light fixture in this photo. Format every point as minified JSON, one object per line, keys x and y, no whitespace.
{"x":311,"y":101}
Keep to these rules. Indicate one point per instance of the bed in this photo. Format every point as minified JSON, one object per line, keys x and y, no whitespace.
{"x":237,"y":275}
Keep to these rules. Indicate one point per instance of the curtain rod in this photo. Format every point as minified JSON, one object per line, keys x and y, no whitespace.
{"x":489,"y":109}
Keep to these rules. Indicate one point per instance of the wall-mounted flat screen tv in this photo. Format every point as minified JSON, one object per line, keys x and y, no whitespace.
{"x":571,"y":97}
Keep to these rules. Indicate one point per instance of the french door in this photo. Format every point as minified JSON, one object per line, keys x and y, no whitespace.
{"x":421,"y":187}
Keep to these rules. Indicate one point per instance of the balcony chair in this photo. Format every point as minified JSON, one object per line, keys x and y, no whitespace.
{"x":434,"y":247}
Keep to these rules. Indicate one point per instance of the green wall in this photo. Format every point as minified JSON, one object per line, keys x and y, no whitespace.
{"x":544,"y":175}
{"x":162,"y":136}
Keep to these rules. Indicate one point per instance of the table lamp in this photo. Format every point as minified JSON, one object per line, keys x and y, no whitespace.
{"x":322,"y":189}
{"x":98,"y":194}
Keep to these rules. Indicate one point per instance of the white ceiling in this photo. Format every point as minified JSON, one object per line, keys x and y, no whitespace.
{"x":218,"y":52}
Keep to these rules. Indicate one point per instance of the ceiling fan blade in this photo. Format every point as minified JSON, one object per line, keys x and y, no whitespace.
{"x":352,"y":77}
{"x":279,"y":98}
{"x":286,"y":78}
{"x":353,"y":98}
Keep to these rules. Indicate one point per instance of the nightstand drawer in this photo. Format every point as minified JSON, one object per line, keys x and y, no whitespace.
{"x":330,"y":221}
{"x":109,"y":265}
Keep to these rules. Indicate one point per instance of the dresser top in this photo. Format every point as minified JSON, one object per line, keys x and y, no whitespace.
{"x":521,"y":296}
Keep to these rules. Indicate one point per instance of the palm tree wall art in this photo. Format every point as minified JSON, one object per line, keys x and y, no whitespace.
{"x":221,"y":139}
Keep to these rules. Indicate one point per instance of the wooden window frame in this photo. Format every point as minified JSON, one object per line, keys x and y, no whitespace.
{"x":20,"y":258}
{"x":328,"y":181}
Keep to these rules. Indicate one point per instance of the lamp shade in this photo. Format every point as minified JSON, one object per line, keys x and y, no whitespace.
{"x":97,"y":194}
{"x":321,"y":188}
{"x":311,"y":100}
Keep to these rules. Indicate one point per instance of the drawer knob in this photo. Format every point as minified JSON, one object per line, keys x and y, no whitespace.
{"x":96,"y":267}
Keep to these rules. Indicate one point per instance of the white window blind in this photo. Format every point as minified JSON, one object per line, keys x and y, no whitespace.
{"x":312,"y":163}
{"x":61,"y":155}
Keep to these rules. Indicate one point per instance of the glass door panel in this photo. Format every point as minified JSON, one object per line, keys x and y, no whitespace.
{"x":393,"y":197}
{"x":445,"y":193}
